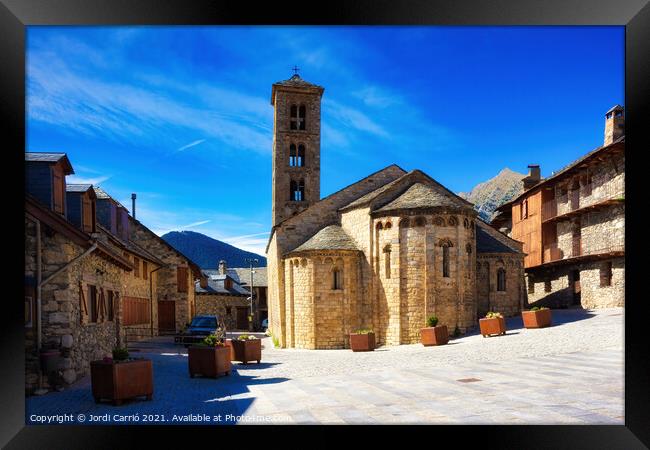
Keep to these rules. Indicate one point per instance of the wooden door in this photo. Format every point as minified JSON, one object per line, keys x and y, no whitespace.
{"x":242,"y":318}
{"x":166,"y":316}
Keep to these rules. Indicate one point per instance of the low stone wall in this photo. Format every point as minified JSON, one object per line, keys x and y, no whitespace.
{"x":212,"y":304}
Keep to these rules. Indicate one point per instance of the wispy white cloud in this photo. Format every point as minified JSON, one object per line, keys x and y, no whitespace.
{"x":375,"y":96}
{"x":74,"y":179}
{"x":190,"y":145}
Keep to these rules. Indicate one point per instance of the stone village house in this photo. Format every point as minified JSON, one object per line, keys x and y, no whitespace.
{"x":385,"y":252}
{"x":225,"y":292}
{"x":572,"y":225}
{"x":89,"y":282}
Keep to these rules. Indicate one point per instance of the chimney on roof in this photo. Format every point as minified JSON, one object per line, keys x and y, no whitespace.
{"x":533,"y":177}
{"x":222,"y":267}
{"x":133,"y":196}
{"x":614,"y":124}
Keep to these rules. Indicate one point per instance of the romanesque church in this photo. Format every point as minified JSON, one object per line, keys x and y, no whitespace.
{"x":383,"y":253}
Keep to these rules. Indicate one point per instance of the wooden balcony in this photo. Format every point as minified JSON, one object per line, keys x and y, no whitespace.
{"x":552,"y":254}
{"x":580,"y":200}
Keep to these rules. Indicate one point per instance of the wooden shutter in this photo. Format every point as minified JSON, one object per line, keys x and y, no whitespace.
{"x":145,"y":270}
{"x":181,"y":275}
{"x":136,"y":268}
{"x":83,"y":308}
{"x":102,"y":304}
{"x":58,"y":189}
{"x":87,"y":213}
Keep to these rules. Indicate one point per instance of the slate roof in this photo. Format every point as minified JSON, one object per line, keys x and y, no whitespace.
{"x":420,"y":195}
{"x":50,"y":157}
{"x":331,"y":237}
{"x":242,"y":275}
{"x":216,"y":285}
{"x":103,"y":195}
{"x":296,"y":80}
{"x":376,"y":193}
{"x":78,"y":187}
{"x":487,"y":244}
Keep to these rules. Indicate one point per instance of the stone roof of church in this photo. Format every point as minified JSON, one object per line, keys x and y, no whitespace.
{"x":331,"y":237}
{"x":420,"y":195}
{"x":488,"y":244}
{"x":296,"y":80}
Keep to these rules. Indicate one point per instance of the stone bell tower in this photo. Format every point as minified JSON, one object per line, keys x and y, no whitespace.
{"x":296,"y":146}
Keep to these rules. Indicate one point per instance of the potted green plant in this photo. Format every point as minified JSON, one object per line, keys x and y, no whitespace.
{"x":363,"y":340}
{"x":247,"y":348}
{"x":536,"y":317}
{"x":121,"y":377}
{"x":492,"y":324}
{"x":209,"y":358}
{"x":434,"y":334}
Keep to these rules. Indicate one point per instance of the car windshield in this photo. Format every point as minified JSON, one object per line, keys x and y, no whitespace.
{"x":204,"y":322}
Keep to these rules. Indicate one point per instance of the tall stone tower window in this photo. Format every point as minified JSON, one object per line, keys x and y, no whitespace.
{"x":296,"y":156}
{"x":501,"y":279}
{"x":297,"y":117}
{"x":297,"y":191}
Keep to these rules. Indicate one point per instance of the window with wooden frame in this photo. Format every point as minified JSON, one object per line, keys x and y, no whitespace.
{"x":523,"y":210}
{"x":145,"y":270}
{"x":136,"y":267}
{"x":547,"y":286}
{"x":606,"y":274}
{"x":93,"y":307}
{"x":181,"y":279}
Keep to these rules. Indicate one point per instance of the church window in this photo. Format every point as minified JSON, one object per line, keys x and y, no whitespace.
{"x":501,"y":279}
{"x":301,"y":117}
{"x":297,"y":191}
{"x":388,"y":226}
{"x":293,"y":119}
{"x":380,"y":226}
{"x":300,"y":161}
{"x":445,"y":260}
{"x":387,"y":261}
{"x":292,"y":155}
{"x":419,"y":222}
{"x":453,"y":221}
{"x":337,"y":279}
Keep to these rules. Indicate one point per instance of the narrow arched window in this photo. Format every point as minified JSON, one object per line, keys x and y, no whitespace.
{"x":501,"y":279}
{"x":445,"y":261}
{"x":293,"y":187}
{"x":301,"y":117}
{"x":337,"y":279}
{"x":293,"y":117}
{"x":292,"y":155}
{"x":300,"y":161}
{"x":387,"y":250}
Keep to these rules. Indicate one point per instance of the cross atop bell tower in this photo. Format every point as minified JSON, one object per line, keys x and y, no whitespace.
{"x":296,"y":145}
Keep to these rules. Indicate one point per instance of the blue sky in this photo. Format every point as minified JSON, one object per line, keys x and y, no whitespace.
{"x":182,"y":115}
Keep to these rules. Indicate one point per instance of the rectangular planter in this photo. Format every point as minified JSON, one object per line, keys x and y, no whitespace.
{"x":362,"y":342}
{"x":228,"y":343}
{"x":118,"y":381}
{"x":492,"y":327}
{"x":248,"y":350}
{"x":434,"y":335}
{"x":208,"y":361}
{"x":536,"y":319}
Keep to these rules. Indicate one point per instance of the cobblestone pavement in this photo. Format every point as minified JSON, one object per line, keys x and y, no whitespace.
{"x":571,"y":373}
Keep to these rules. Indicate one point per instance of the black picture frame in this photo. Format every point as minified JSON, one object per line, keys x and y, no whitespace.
{"x":15,"y":15}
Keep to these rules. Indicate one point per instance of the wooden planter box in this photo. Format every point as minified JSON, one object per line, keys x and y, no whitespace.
{"x":536,"y":319}
{"x":118,"y":381}
{"x":208,"y":361}
{"x":362,"y":342}
{"x":248,"y":350}
{"x":434,"y":335}
{"x":228,"y":343}
{"x":491,"y":327}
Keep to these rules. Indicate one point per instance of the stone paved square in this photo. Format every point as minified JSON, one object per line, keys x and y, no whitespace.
{"x":570,"y":373}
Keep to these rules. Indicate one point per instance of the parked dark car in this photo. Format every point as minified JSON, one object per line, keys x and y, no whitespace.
{"x":199,"y":328}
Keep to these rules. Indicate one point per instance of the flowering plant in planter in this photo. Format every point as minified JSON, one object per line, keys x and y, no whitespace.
{"x":492,"y":324}
{"x":536,"y":317}
{"x":247,"y":348}
{"x":434,"y":334}
{"x":210,"y":358}
{"x":363,"y":340}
